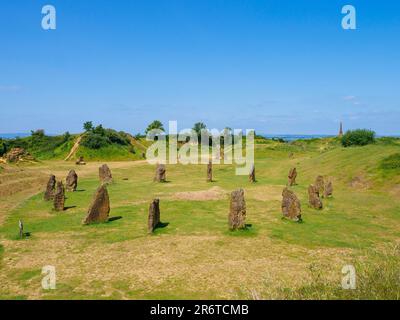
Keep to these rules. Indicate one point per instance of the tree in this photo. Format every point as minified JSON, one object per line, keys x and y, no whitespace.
{"x":198,"y":126}
{"x":38,"y":133}
{"x":99,"y":130}
{"x":156,"y":124}
{"x":88,"y":126}
{"x":66,"y":136}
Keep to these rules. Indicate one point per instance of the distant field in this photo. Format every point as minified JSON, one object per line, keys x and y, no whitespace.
{"x":196,"y":256}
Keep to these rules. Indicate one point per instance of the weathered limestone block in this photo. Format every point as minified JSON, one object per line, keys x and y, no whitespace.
{"x":100,"y":207}
{"x":237,"y":213}
{"x":72,"y":181}
{"x":328,"y":192}
{"x":209,"y":172}
{"x":160,"y":173}
{"x":80,"y":161}
{"x":320,"y":185}
{"x":105,"y":174}
{"x":59,"y":197}
{"x":292,"y":177}
{"x":51,"y":184}
{"x":18,"y":154}
{"x":291,"y":207}
{"x":252,"y":174}
{"x":313,"y":197}
{"x":154,"y":215}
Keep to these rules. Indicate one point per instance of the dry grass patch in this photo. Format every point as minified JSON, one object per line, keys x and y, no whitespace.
{"x":214,"y":193}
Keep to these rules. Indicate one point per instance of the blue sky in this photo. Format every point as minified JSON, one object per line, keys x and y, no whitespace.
{"x":274,"y":66}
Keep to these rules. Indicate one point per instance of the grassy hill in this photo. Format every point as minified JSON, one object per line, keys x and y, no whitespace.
{"x":44,"y":147}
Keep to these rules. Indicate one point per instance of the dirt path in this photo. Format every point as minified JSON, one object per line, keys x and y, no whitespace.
{"x":74,"y":148}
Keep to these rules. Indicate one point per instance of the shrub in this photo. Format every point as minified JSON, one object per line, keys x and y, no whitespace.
{"x":117,"y":137}
{"x":359,"y":137}
{"x":95,"y":141}
{"x":3,"y":147}
{"x":391,"y":162}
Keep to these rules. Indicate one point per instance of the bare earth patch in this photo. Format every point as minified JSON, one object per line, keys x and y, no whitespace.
{"x":215,"y":193}
{"x":359,"y":182}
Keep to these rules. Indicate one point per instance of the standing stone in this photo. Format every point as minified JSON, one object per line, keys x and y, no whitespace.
{"x":80,"y":161}
{"x":59,"y":197}
{"x":292,"y":177}
{"x":291,"y":207}
{"x":252,"y":174}
{"x":237,"y":213}
{"x":154,"y":215}
{"x":105,"y":174}
{"x":209,"y":172}
{"x":21,"y":229}
{"x":320,"y":185}
{"x":99,"y":208}
{"x":160,"y":173}
{"x":72,"y":181}
{"x":328,"y":190}
{"x":51,"y":184}
{"x":313,"y":197}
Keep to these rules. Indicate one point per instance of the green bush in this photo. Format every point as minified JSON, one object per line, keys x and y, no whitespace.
{"x":117,"y":137}
{"x":3,"y":148}
{"x":99,"y":137}
{"x":359,"y":137}
{"x":95,"y":141}
{"x":391,"y":162}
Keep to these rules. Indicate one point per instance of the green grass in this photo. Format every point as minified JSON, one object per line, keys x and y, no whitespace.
{"x":391,"y":163}
{"x":108,"y":153}
{"x":376,"y":279}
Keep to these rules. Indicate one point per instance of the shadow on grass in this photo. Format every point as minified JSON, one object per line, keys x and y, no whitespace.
{"x":160,"y":226}
{"x":70,"y":207}
{"x":111,"y":219}
{"x":247,"y":231}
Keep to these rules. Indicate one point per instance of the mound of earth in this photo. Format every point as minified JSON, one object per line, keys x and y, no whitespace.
{"x":16,"y":155}
{"x":359,"y":182}
{"x":215,"y":193}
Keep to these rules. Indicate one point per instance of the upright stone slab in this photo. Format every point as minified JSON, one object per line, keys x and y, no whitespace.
{"x":100,"y":207}
{"x":237,"y":212}
{"x":328,"y":192}
{"x":320,"y":185}
{"x":154,"y":215}
{"x":105,"y":174}
{"x":291,"y":207}
{"x":51,"y":184}
{"x":21,"y":229}
{"x":72,"y":181}
{"x":80,"y":161}
{"x":59,"y":197}
{"x":292,"y":177}
{"x":313,"y":197}
{"x":209,"y":171}
{"x":252,"y":174}
{"x":160,"y":173}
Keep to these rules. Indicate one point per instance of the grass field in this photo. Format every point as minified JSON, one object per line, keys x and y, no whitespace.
{"x":195,"y":256}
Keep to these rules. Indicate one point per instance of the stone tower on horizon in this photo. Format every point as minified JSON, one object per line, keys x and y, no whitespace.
{"x":341,"y":130}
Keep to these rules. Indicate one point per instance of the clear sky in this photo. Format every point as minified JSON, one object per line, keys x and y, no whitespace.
{"x":274,"y":66}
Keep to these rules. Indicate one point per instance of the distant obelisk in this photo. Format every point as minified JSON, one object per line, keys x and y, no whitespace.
{"x":341,"y":130}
